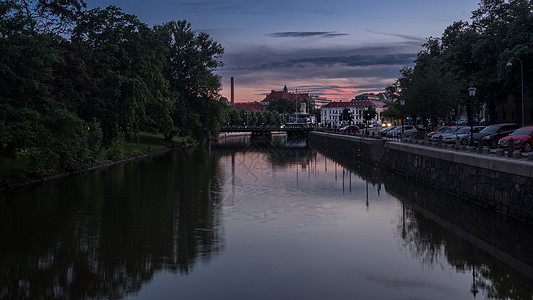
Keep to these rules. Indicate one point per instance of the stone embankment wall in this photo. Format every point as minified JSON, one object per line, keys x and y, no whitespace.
{"x":500,"y":183}
{"x":347,"y":147}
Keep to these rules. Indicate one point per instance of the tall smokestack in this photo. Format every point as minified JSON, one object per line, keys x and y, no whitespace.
{"x":232,"y":91}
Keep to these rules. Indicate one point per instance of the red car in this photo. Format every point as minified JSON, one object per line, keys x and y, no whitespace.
{"x":439,"y":130}
{"x":349,"y":128}
{"x":523,"y":139}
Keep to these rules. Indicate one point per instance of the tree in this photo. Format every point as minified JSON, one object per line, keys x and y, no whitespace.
{"x":283,"y":106}
{"x":52,"y":17}
{"x":31,"y":118}
{"x":368,"y":114}
{"x":346,"y":115}
{"x":190,"y":62}
{"x":121,"y":50}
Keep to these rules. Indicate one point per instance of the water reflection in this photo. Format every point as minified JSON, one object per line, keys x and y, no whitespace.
{"x":106,"y":233}
{"x":272,"y":210}
{"x":439,"y":229}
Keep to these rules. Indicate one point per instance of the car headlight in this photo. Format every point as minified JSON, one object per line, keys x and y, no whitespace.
{"x":487,"y":137}
{"x":518,"y":141}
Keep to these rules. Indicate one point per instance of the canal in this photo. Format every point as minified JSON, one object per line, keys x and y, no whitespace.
{"x":255,"y":220}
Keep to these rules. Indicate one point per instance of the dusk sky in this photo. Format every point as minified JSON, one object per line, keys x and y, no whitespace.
{"x":336,"y":48}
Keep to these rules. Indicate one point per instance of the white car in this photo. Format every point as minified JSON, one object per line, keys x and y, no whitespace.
{"x":408,"y":131}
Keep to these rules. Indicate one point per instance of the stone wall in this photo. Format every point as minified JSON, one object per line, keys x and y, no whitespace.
{"x":349,"y":147}
{"x":500,"y":183}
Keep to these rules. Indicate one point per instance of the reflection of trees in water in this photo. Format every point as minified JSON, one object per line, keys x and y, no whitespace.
{"x":103,"y":234}
{"x":281,"y":149}
{"x":434,"y":228}
{"x":439,"y":229}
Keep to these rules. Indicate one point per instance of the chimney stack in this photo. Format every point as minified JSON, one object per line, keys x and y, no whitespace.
{"x":232,"y":91}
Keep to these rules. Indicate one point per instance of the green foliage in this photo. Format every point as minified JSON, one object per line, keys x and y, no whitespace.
{"x":275,"y":119}
{"x":283,"y":106}
{"x":189,"y":64}
{"x":234,"y":117}
{"x":260,"y":118}
{"x":369,"y":113}
{"x":392,"y":111}
{"x":346,"y":115}
{"x":468,"y":55}
{"x":62,"y":102}
{"x":118,"y":149}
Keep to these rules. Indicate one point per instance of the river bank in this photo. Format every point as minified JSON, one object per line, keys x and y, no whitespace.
{"x":6,"y":184}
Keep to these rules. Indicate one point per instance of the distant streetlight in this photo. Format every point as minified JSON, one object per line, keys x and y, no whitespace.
{"x":522,"y":82}
{"x":402,"y":103}
{"x":472,"y":93}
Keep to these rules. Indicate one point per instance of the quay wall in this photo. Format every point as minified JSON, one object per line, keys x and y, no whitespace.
{"x":499,"y":183}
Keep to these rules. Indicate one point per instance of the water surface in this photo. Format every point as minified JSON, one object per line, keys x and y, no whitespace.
{"x":257,"y":222}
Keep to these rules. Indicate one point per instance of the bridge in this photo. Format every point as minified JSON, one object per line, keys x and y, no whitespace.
{"x":266,"y":128}
{"x":292,"y":130}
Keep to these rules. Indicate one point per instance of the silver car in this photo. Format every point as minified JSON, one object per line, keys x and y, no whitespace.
{"x":463,"y":133}
{"x":408,"y":130}
{"x":445,"y":132}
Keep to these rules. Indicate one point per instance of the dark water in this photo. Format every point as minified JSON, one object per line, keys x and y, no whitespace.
{"x":255,"y":222}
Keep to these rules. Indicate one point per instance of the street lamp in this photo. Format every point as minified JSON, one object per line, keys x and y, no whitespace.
{"x":402,"y":103}
{"x":522,"y":82}
{"x":472,"y":93}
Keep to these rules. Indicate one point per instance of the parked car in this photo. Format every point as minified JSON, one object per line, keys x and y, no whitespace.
{"x":523,"y":139}
{"x":349,"y":129}
{"x":463,"y":133}
{"x":445,"y":132}
{"x":384,"y":131}
{"x":408,"y":131}
{"x":493,"y":133}
{"x":462,"y":122}
{"x":438,"y":130}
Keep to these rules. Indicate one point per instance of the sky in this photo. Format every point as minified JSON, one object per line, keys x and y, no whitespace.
{"x":332,"y":48}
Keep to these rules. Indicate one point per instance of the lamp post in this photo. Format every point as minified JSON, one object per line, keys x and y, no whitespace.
{"x":472,"y":93}
{"x":402,"y":103}
{"x":522,"y":82}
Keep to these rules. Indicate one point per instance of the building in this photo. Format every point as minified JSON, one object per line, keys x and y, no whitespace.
{"x":285,"y":94}
{"x":317,"y":102}
{"x":330,"y":113}
{"x":376,"y":100}
{"x":249,"y":106}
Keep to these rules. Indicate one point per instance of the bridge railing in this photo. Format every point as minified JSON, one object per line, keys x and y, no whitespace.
{"x":265,"y":127}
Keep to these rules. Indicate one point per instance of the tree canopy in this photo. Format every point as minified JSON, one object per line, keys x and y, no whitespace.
{"x":77,"y":80}
{"x":471,"y":54}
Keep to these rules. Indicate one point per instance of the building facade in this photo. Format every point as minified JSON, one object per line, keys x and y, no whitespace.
{"x":284,"y":94}
{"x":331,"y":113}
{"x":249,"y":106}
{"x":318,"y":102}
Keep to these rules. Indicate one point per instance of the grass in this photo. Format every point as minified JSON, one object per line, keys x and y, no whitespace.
{"x":151,"y":142}
{"x":15,"y":169}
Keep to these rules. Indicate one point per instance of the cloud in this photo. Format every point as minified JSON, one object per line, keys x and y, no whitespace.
{"x":336,"y":72}
{"x":304,"y":34}
{"x":263,"y":58}
{"x":413,"y":38}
